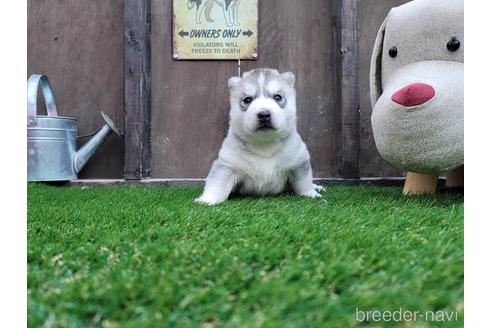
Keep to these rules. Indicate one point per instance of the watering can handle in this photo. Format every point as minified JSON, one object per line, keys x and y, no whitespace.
{"x":32,"y":94}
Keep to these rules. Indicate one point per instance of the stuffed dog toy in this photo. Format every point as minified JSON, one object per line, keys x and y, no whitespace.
{"x":416,"y":87}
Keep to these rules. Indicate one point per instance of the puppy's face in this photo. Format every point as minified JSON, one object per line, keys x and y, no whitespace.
{"x":263,"y":104}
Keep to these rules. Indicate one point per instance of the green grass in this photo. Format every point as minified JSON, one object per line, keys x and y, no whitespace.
{"x":151,"y":257}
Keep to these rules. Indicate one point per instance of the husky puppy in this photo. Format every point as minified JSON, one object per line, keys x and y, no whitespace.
{"x":262,"y":154}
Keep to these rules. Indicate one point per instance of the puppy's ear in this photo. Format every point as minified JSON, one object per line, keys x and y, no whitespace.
{"x":233,"y":82}
{"x":289,"y":77}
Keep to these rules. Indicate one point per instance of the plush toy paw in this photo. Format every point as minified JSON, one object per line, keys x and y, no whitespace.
{"x":319,"y":188}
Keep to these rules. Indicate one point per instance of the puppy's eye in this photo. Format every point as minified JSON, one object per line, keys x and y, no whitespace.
{"x":247,"y":100}
{"x":393,"y":52}
{"x":453,"y":44}
{"x":278,"y":97}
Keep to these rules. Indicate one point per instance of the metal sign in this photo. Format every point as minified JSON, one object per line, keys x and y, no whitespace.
{"x":215,"y":29}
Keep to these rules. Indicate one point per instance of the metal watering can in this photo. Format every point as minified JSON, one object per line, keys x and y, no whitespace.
{"x":52,"y":153}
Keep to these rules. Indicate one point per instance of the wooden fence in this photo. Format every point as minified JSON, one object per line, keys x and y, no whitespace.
{"x":116,"y":56}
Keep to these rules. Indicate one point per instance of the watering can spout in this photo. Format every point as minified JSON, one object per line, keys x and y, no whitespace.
{"x":85,"y":153}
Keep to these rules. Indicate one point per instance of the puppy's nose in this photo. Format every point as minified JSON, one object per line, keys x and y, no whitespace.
{"x":264,"y":116}
{"x":414,"y":94}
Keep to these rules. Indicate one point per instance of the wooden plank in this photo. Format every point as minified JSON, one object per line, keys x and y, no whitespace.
{"x":349,"y":92}
{"x":190,"y":100}
{"x":189,"y":104}
{"x":299,"y":38}
{"x":381,"y":182}
{"x":79,"y":45}
{"x":137,"y":89}
{"x":371,"y":15}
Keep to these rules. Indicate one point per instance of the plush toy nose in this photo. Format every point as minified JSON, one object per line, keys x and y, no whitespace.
{"x":414,"y":94}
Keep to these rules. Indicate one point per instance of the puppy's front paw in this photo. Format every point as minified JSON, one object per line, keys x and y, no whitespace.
{"x":208,"y":200}
{"x":319,"y":188}
{"x":311,"y":194}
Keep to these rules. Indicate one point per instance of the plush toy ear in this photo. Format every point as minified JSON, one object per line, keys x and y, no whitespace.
{"x":289,"y":77}
{"x":375,"y":77}
{"x":233,"y":82}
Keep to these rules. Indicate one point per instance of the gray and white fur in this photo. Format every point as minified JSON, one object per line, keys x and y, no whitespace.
{"x":262,"y":154}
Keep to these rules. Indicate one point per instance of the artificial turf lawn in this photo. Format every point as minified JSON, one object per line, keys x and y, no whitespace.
{"x":151,"y":257}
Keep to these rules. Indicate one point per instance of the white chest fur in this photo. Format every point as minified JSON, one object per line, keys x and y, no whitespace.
{"x":264,"y":170}
{"x":263,"y":176}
